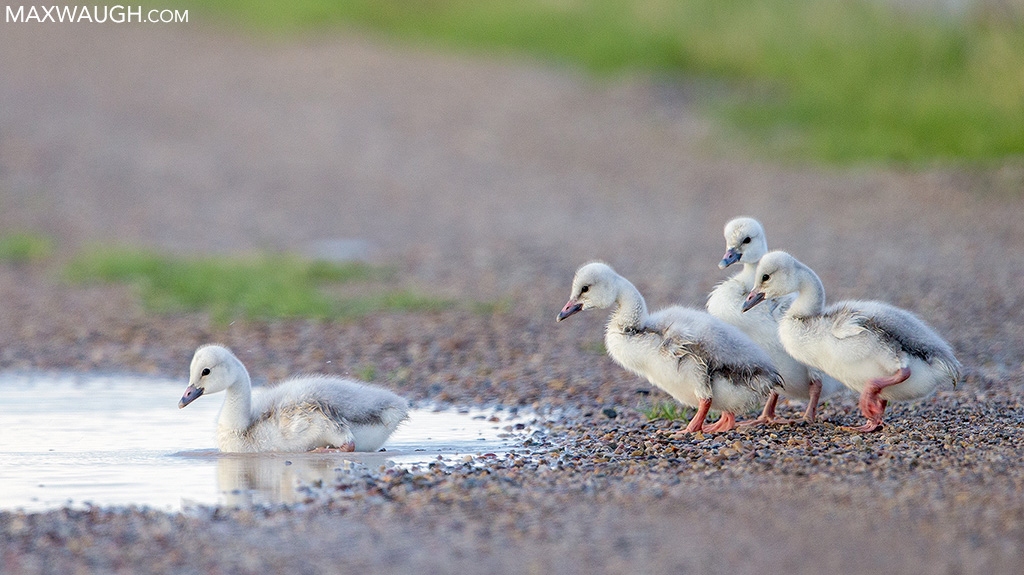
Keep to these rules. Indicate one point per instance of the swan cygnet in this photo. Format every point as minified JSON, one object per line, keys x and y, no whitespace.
{"x":746,"y":243}
{"x":700,"y":361}
{"x":880,"y":351}
{"x":315,"y":412}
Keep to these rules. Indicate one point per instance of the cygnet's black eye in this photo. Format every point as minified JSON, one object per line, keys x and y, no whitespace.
{"x":206,"y":371}
{"x":584,"y":289}
{"x":765,"y":278}
{"x":746,"y":240}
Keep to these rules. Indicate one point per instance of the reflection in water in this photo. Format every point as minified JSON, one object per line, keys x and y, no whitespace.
{"x":121,"y":440}
{"x":247,"y":480}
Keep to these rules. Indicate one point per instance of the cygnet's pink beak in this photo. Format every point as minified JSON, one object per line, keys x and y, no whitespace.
{"x":732,"y":255}
{"x":570,"y":308}
{"x":191,"y":394}
{"x":753,"y":298}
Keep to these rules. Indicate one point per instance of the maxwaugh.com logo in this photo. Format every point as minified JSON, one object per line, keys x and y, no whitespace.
{"x":116,"y":14}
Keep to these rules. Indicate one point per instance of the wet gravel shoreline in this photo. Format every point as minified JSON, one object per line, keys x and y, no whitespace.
{"x":569,"y":502}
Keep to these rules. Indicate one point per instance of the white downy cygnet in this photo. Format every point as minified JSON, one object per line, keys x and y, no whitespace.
{"x":700,"y":361}
{"x":882,"y":352}
{"x":746,"y":243}
{"x":305,"y":413}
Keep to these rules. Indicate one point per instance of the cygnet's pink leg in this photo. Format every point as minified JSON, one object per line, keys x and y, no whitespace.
{"x":725,"y":423}
{"x":767,"y":414}
{"x":346,"y":448}
{"x":871,"y":405}
{"x":812,"y":404}
{"x":697,"y":423}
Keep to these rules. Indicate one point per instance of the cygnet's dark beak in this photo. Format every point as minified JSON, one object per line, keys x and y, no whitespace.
{"x":732,"y":255}
{"x":191,"y":394}
{"x":570,"y":308}
{"x":753,"y":298}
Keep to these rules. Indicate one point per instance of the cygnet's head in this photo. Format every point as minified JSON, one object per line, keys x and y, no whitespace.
{"x":744,"y":242}
{"x":596,"y":285}
{"x":214,"y":368}
{"x":776,"y":276}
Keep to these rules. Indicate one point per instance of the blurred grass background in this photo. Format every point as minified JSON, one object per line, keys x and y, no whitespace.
{"x":837,"y":81}
{"x":264,"y":287}
{"x":24,"y":247}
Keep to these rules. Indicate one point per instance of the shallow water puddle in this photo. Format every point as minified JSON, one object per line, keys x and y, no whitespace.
{"x":121,"y":440}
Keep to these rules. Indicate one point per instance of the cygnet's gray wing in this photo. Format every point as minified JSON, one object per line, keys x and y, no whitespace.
{"x":341,"y":400}
{"x":360,"y":403}
{"x":720,"y":348}
{"x":897,"y":328}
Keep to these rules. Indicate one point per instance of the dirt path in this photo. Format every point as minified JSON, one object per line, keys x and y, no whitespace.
{"x":490,"y":179}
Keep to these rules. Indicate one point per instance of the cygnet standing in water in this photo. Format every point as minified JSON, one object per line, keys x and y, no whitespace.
{"x":700,"y":361}
{"x":882,"y":352}
{"x":315,"y":412}
{"x":746,"y":243}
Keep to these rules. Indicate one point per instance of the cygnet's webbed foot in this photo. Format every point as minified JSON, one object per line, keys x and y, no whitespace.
{"x":727,"y":422}
{"x":694,"y":427}
{"x":763,"y":420}
{"x":756,"y":422}
{"x":871,"y":425}
{"x":346,"y":448}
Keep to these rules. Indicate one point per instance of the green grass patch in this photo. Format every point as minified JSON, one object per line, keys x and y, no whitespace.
{"x":839,"y":81}
{"x":500,"y":306}
{"x":594,"y":347}
{"x":670,"y":410}
{"x":24,"y":247}
{"x":260,"y":287}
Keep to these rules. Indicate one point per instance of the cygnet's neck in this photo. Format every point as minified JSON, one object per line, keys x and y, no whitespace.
{"x":632,"y":309}
{"x":236,"y":413}
{"x":747,"y":275}
{"x":810,"y":300}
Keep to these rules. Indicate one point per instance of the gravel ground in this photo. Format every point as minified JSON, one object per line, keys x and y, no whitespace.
{"x":492,"y":180}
